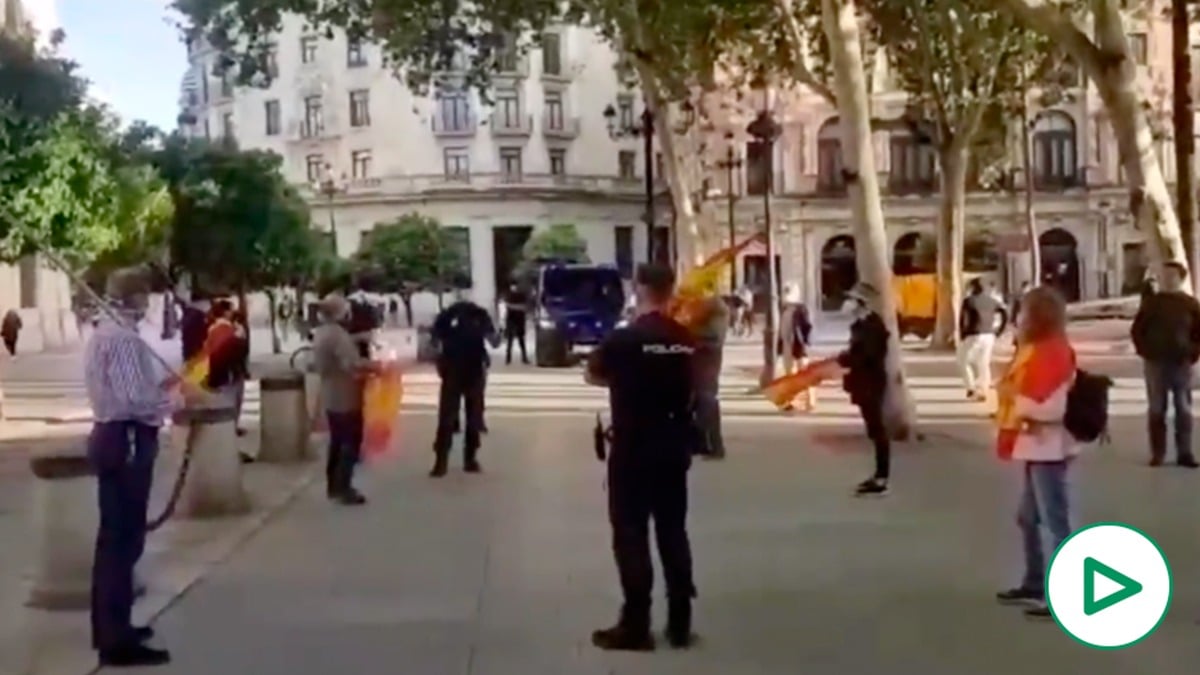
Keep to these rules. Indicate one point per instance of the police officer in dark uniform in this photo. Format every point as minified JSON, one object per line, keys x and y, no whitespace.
{"x":461,"y":331}
{"x":648,"y":368}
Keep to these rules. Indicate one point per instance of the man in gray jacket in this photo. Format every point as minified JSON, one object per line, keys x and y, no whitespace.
{"x":710,"y":339}
{"x":336,"y":358}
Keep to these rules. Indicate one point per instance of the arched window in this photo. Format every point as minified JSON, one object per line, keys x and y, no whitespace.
{"x":1055,"y":160}
{"x":980,"y":254}
{"x":912,"y":163}
{"x":829,"y":158}
{"x":839,"y":272}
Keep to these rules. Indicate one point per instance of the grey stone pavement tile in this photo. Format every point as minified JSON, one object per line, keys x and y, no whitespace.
{"x":57,"y":643}
{"x":509,"y":572}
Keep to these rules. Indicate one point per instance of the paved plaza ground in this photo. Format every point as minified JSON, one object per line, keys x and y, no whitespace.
{"x":508,"y":572}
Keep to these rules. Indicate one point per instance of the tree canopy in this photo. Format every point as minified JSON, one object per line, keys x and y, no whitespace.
{"x":412,"y":253}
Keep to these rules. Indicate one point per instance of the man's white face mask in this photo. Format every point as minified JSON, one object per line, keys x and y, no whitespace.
{"x":861,"y":310}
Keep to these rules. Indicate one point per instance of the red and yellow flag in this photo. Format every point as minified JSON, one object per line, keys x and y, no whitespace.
{"x":783,"y":390}
{"x":382,"y":397}
{"x":1037,"y":370}
{"x":220,"y":336}
{"x":690,"y":304}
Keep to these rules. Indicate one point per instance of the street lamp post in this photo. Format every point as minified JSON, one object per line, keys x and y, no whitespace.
{"x":765,"y":130}
{"x":731,"y":163}
{"x":330,"y":186}
{"x":644,"y":129}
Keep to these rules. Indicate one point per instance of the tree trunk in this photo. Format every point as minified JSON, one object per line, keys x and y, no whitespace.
{"x":841,"y":29}
{"x":406,"y":300}
{"x":1185,"y":128}
{"x":950,"y":234}
{"x":273,"y":308}
{"x":1031,"y":230}
{"x":1108,"y":64}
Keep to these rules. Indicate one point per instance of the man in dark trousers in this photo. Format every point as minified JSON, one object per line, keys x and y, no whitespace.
{"x":516,"y":306}
{"x":1166,"y":334}
{"x":129,"y":402}
{"x":461,"y":331}
{"x":710,"y":348}
{"x":649,"y":370}
{"x":866,"y":381}
{"x":193,"y":327}
{"x":10,"y":330}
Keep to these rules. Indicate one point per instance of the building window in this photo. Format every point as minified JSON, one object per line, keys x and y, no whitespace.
{"x":356,"y":56}
{"x":624,"y":250}
{"x":454,"y":112}
{"x":507,"y":56}
{"x":558,"y":162}
{"x":1137,"y":48}
{"x":459,"y":239}
{"x":360,"y":164}
{"x":314,"y":166}
{"x":360,"y":108}
{"x":627,"y":164}
{"x":758,"y":168}
{"x":510,"y":164}
{"x":227,"y":126}
{"x":271,"y":62}
{"x":508,"y":104}
{"x":308,"y":49}
{"x":829,"y":159}
{"x":552,"y":54}
{"x":912,"y":164}
{"x":458,"y":164}
{"x":272,"y":115}
{"x":314,"y":117}
{"x":1054,"y":157}
{"x":226,"y":85}
{"x":625,"y":113}
{"x":554,"y":110}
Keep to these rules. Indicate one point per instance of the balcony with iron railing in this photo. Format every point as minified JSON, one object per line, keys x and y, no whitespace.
{"x":461,"y":125}
{"x":511,"y":126}
{"x":559,"y":126}
{"x":312,"y":129}
{"x":433,"y":184}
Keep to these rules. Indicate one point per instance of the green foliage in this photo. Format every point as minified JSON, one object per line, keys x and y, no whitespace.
{"x":458,"y":43}
{"x":237,"y":224}
{"x":58,"y":190}
{"x":557,"y":242}
{"x":412,"y":253}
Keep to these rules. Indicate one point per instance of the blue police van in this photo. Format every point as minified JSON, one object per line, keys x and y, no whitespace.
{"x":577,"y":305}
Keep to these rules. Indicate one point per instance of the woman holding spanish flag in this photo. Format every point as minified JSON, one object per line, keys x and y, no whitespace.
{"x":1032,"y":402}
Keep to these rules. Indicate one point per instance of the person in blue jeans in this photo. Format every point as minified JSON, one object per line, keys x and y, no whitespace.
{"x":1032,"y":402}
{"x":1166,"y":335}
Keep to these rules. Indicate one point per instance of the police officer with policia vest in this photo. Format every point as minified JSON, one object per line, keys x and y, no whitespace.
{"x":461,"y":331}
{"x":648,"y":368}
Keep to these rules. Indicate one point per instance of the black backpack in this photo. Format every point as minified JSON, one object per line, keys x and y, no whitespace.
{"x":1086,"y":418}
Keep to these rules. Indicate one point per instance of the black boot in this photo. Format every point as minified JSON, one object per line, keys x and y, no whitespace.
{"x":679,"y":624}
{"x":1183,"y":442}
{"x":1157,"y":428}
{"x":134,"y":655}
{"x":440,"y":465}
{"x":631,"y":634}
{"x":471,"y":463}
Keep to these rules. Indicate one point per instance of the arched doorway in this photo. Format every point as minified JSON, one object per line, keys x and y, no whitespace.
{"x":839,"y":272}
{"x":914,"y":253}
{"x":1060,"y":262}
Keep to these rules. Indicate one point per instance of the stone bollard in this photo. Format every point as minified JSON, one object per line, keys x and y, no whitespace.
{"x":66,"y":519}
{"x":284,"y":419}
{"x":214,"y":482}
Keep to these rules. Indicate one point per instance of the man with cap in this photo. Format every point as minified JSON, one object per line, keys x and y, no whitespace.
{"x":129,"y":400}
{"x":342,"y":368}
{"x":866,"y":380}
{"x":710,"y":348}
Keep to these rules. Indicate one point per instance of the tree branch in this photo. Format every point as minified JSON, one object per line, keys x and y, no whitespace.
{"x":1047,"y":19}
{"x":801,"y":72}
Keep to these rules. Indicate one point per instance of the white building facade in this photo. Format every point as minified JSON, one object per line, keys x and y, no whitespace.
{"x":539,"y":154}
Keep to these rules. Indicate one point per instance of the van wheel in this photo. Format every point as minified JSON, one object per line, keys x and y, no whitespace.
{"x":550,"y":349}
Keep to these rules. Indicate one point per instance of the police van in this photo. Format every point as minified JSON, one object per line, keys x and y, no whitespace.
{"x":577,"y":306}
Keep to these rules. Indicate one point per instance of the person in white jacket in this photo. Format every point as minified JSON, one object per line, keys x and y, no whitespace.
{"x":1032,"y":405}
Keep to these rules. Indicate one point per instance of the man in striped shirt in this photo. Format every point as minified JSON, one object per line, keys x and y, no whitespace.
{"x":129,"y":400}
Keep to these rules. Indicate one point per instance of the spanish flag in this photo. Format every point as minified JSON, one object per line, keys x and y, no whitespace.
{"x":382,"y":397}
{"x":783,"y":390}
{"x":689,"y":306}
{"x":220,"y":336}
{"x":1037,"y":370}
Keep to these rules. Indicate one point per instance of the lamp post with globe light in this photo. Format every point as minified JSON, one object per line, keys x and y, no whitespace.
{"x":765,"y":130}
{"x":330,"y":186}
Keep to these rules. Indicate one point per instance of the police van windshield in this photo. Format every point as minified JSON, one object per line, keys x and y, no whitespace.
{"x":584,"y":289}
